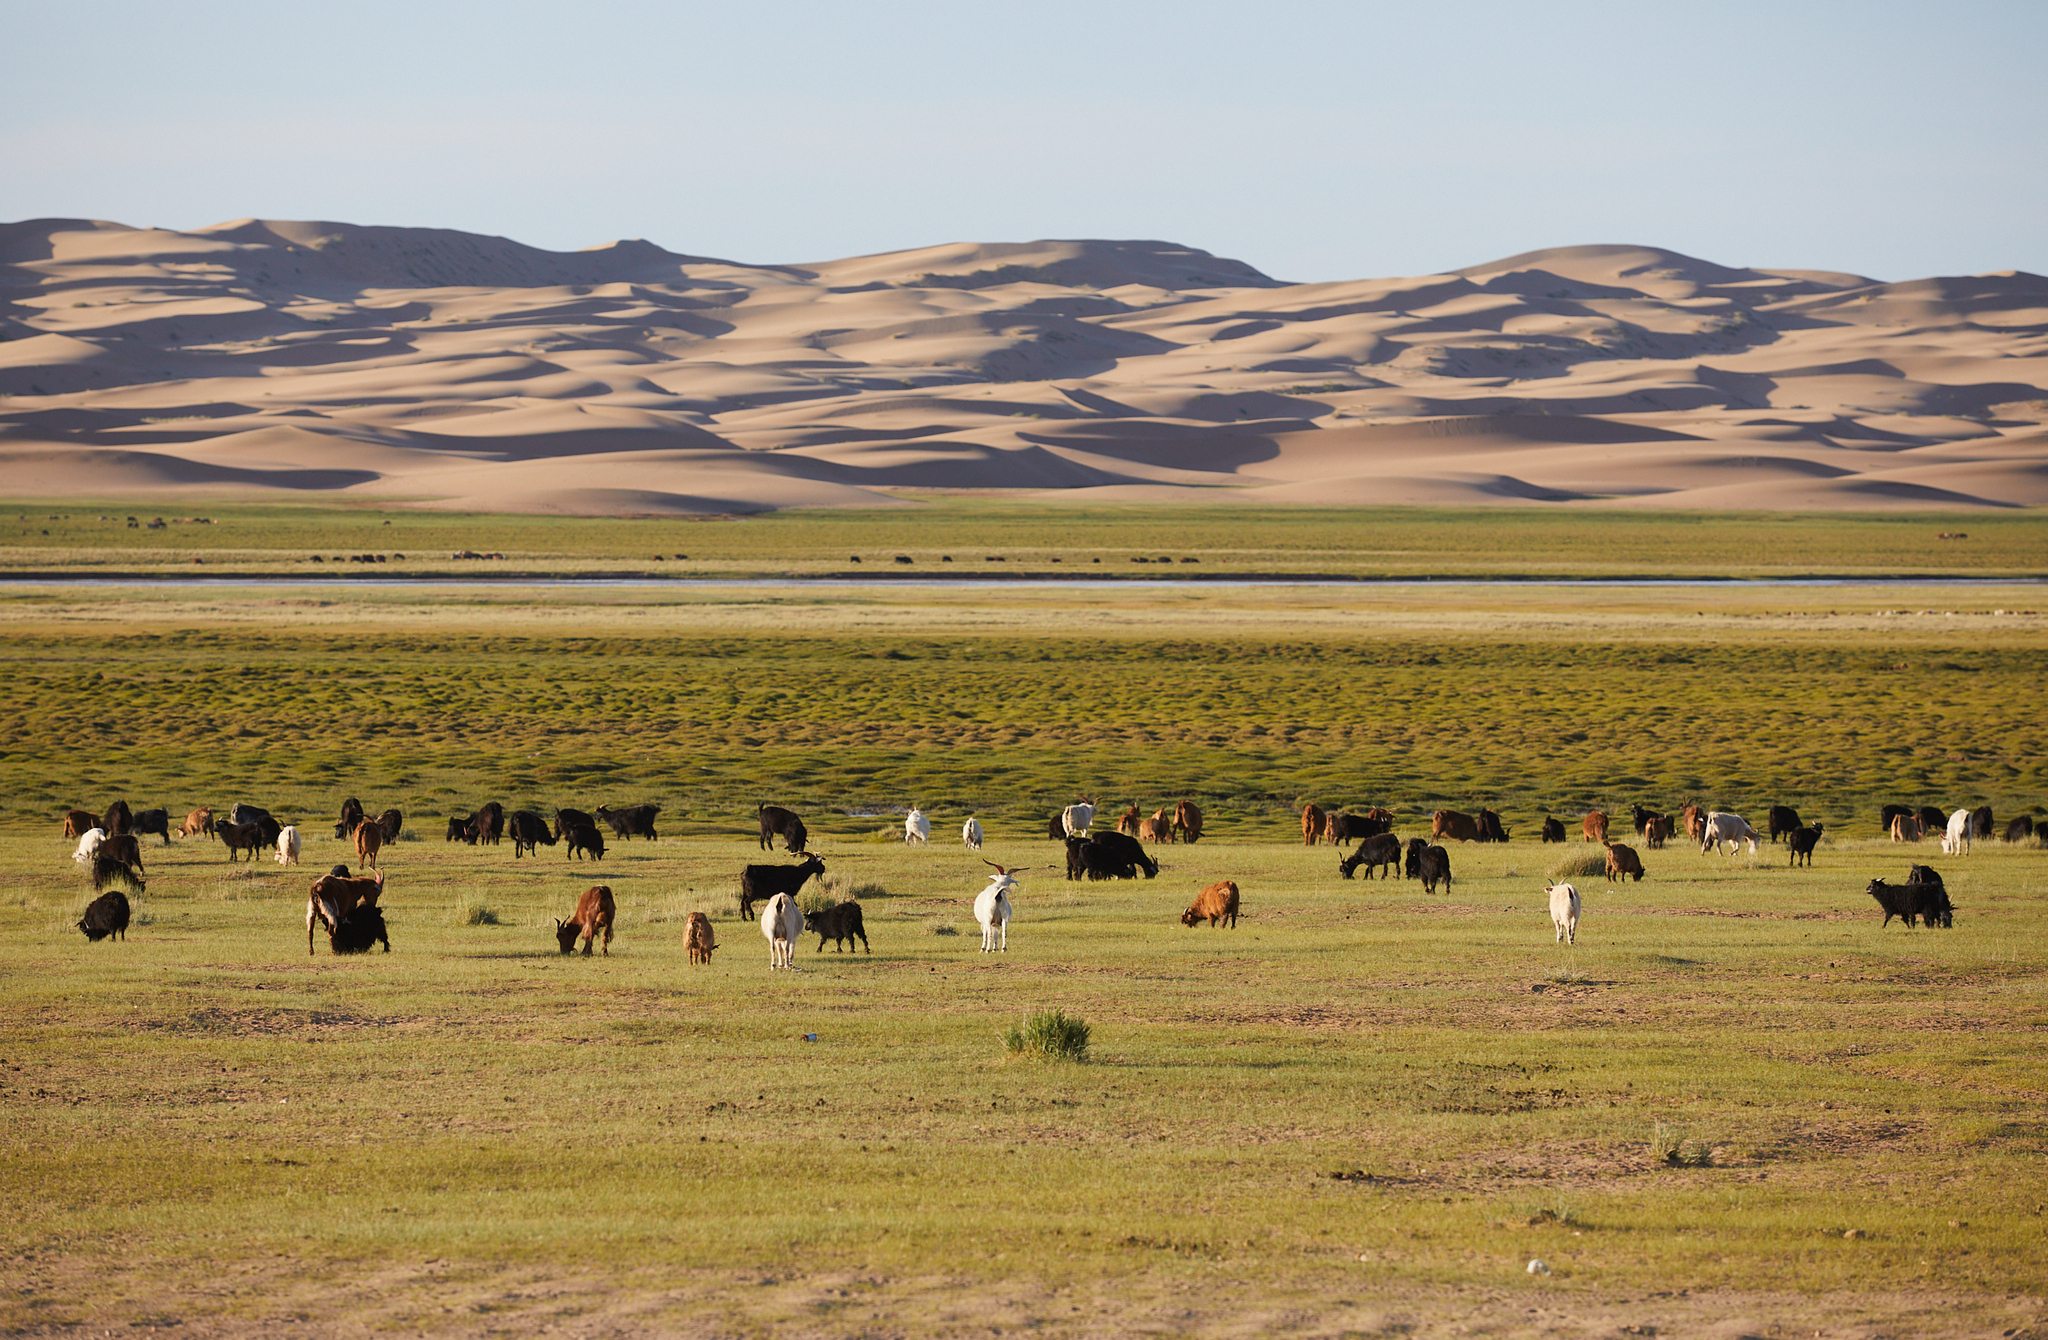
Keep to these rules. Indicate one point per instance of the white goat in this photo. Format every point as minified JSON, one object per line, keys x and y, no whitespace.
{"x":1564,"y":911}
{"x":781,"y":924}
{"x":916,"y":828}
{"x":1732,"y":829}
{"x":970,"y":833}
{"x":992,"y":909}
{"x":1956,"y":841}
{"x":89,"y":846}
{"x":288,"y":845}
{"x":1076,"y":818}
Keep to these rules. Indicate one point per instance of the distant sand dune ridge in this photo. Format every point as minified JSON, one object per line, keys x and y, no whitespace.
{"x":415,"y":366}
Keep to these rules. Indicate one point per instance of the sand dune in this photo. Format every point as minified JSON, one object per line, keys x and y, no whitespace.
{"x":435,"y":368}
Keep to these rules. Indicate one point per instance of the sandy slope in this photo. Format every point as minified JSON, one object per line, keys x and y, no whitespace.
{"x":463,"y":371}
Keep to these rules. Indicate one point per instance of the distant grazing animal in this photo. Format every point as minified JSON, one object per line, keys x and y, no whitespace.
{"x":360,"y":928}
{"x":1433,"y":865}
{"x":1156,"y":829}
{"x":839,"y":923}
{"x":528,"y":831}
{"x":267,"y":825}
{"x":566,"y":819}
{"x":595,"y":912}
{"x":197,"y":822}
{"x":1594,"y":826}
{"x":1695,"y":821}
{"x":1490,"y":829}
{"x":1956,"y":841}
{"x":1108,"y":855}
{"x":992,"y":909}
{"x":157,"y":821}
{"x":1782,"y":819}
{"x":1075,"y":818}
{"x":1623,"y":863}
{"x":1553,"y":829}
{"x":1311,"y":824}
{"x":1057,"y":830}
{"x":1640,"y":816}
{"x":1932,"y":818}
{"x":1215,"y":904}
{"x":113,"y":870}
{"x":1187,"y":821}
{"x":697,"y":935}
{"x":1657,"y":832}
{"x":351,"y":815}
{"x":1927,"y":874}
{"x":1127,"y":822}
{"x":1564,"y":911}
{"x":781,"y":923}
{"x":118,"y":819}
{"x":1648,"y":821}
{"x":490,"y":822}
{"x":758,"y":883}
{"x":106,"y":915}
{"x":1411,"y":858}
{"x":1341,"y":828}
{"x":389,"y":823}
{"x":778,"y":822}
{"x":89,"y":845}
{"x":1382,"y":850}
{"x":631,"y":822}
{"x":240,"y":837}
{"x":1908,"y":902}
{"x":369,"y":841}
{"x":1732,"y":829}
{"x":1892,"y":812}
{"x":1907,"y":828}
{"x":1801,"y":842}
{"x":78,"y":822}
{"x":2020,"y":829}
{"x":287,"y":845}
{"x":916,"y":827}
{"x":331,"y":898}
{"x":586,"y":839}
{"x":1981,"y":824}
{"x":461,"y":828}
{"x":970,"y":833}
{"x":121,"y":847}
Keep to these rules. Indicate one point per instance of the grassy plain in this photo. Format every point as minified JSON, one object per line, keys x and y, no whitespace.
{"x":210,"y":1130}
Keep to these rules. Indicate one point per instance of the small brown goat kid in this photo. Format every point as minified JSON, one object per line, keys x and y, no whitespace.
{"x":697,"y":935}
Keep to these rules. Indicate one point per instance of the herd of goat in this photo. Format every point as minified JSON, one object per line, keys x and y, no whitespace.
{"x":347,"y":906}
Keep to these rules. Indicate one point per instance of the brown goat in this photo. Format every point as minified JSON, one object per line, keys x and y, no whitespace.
{"x":697,"y":935}
{"x":1595,"y":826}
{"x":1311,"y":824}
{"x":369,"y":839}
{"x":594,"y":912}
{"x":1217,"y":903}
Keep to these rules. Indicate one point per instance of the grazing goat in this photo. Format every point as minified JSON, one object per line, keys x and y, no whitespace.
{"x":1981,"y":823}
{"x":1057,"y":829}
{"x":1108,"y":855}
{"x":528,"y":831}
{"x":1339,"y":828}
{"x":595,"y":911}
{"x":78,"y":822}
{"x":698,"y":937}
{"x":1889,"y":813}
{"x":631,"y":822}
{"x":462,"y":828}
{"x":2020,"y":829}
{"x":359,"y":928}
{"x":490,"y":823}
{"x":1075,"y":818}
{"x":781,"y":923}
{"x":839,"y":924}
{"x":1564,"y":911}
{"x":1956,"y":841}
{"x":89,"y":845}
{"x":1411,"y":861}
{"x":389,"y":823}
{"x":1381,"y":849}
{"x":157,"y":821}
{"x":1623,"y":863}
{"x":1732,"y":829}
{"x":1454,"y":825}
{"x":240,"y":837}
{"x":1217,"y":903}
{"x":1157,"y":829}
{"x":1187,"y":821}
{"x":1932,"y":818}
{"x":1553,"y":829}
{"x":1695,"y":822}
{"x":1780,"y":820}
{"x":369,"y":841}
{"x":1927,"y":902}
{"x":331,"y":898}
{"x":118,"y":819}
{"x":197,"y":822}
{"x":1657,"y":832}
{"x":970,"y":833}
{"x":1490,"y":828}
{"x":1907,"y":828}
{"x":1801,"y":842}
{"x":992,"y":909}
{"x":113,"y":870}
{"x":778,"y":822}
{"x":761,"y":882}
{"x":917,"y":828}
{"x":566,"y":819}
{"x":586,"y":839}
{"x":1311,"y":824}
{"x":288,"y":845}
{"x":1434,"y":864}
{"x":351,"y":815}
{"x":106,"y":915}
{"x":1594,"y":826}
{"x":1127,"y":822}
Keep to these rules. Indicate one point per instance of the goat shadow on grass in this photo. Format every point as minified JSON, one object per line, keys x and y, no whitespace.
{"x":546,"y":955}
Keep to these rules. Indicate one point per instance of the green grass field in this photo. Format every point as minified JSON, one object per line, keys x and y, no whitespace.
{"x":1736,"y":1106}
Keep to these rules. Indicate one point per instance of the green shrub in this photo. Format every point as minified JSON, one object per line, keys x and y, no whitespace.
{"x":1049,"y":1035}
{"x":473,"y":912}
{"x":1582,"y":865}
{"x":1672,"y":1149}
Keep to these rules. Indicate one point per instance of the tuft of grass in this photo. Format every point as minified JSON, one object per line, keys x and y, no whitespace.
{"x":473,"y":912}
{"x":941,"y":928}
{"x":1582,"y":865}
{"x":1672,"y":1149}
{"x":1567,"y":977}
{"x":1049,"y":1035}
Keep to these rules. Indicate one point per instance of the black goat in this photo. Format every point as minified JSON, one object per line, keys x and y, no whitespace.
{"x":759,"y":883}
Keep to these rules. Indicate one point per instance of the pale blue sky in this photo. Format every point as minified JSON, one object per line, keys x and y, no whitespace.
{"x":1313,"y":140}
